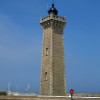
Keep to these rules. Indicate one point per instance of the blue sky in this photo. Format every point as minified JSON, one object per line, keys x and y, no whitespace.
{"x":21,"y":43}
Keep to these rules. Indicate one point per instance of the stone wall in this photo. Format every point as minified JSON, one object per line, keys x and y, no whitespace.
{"x":53,"y":80}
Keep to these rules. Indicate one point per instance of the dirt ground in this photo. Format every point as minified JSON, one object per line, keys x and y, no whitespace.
{"x":42,"y":98}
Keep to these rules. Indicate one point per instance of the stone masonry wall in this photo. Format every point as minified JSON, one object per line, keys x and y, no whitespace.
{"x":45,"y":86}
{"x":53,"y":64}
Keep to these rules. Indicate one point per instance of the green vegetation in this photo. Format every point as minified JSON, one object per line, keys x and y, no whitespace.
{"x":3,"y":93}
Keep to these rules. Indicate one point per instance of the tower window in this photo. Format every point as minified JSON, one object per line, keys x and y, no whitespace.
{"x":46,"y":51}
{"x":45,"y":75}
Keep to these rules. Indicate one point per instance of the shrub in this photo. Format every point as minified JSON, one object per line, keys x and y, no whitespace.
{"x":3,"y":93}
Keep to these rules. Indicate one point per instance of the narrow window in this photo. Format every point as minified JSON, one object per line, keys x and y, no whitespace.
{"x":46,"y":51}
{"x":45,"y":75}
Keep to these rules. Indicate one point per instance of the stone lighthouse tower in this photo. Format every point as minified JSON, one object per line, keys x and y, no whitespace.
{"x":53,"y":80}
